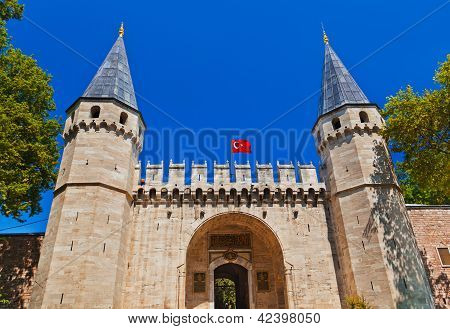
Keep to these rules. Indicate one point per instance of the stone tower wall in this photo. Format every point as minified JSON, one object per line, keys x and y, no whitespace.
{"x":83,"y":256}
{"x":378,"y":255}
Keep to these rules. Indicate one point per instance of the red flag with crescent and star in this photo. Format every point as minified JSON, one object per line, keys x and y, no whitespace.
{"x":240,"y":146}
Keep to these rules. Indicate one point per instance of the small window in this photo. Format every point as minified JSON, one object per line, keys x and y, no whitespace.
{"x":95,"y":112}
{"x":72,"y":116}
{"x":444,"y":255}
{"x":263,"y":281}
{"x":199,"y":194}
{"x":123,"y":118}
{"x":363,"y":117}
{"x":336,"y":123}
{"x":319,"y":138}
{"x":199,"y":282}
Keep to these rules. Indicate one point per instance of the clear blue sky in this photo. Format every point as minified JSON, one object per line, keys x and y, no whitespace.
{"x":232,"y":64}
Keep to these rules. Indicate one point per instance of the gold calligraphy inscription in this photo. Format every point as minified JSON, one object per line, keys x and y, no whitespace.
{"x":225,"y":241}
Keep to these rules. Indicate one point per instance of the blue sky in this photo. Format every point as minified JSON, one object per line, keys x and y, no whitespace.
{"x":240,"y":65}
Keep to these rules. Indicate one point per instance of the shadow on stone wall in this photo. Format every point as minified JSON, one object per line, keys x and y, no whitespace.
{"x":19,"y":256}
{"x":389,"y":216}
{"x":440,"y":285}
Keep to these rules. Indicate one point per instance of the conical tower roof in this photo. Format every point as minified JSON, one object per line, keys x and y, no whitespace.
{"x":338,"y":86}
{"x":113,"y":78}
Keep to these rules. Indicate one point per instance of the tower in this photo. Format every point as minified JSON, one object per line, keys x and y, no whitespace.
{"x":376,"y":250}
{"x":83,"y":257}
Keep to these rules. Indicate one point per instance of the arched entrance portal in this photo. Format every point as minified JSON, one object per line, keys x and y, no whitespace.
{"x":231,"y":286}
{"x":235,"y":260}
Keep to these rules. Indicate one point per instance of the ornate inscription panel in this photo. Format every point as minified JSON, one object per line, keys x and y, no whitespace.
{"x":199,"y":282}
{"x":229,"y":241}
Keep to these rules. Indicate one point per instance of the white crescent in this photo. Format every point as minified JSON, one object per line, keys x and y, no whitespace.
{"x":234,"y":145}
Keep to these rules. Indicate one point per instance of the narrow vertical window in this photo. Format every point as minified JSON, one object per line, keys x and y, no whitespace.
{"x":336,"y":123}
{"x":444,"y":255}
{"x":123,"y":118}
{"x":95,"y":112}
{"x":363,"y":117}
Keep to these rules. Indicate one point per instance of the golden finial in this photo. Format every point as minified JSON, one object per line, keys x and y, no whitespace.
{"x":325,"y":37}
{"x":121,"y":30}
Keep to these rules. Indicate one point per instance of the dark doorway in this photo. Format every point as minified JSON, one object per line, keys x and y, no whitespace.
{"x":231,"y":286}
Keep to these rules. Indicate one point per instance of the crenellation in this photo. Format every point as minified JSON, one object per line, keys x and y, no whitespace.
{"x":177,"y":174}
{"x":199,"y":174}
{"x":243,"y":173}
{"x":154,"y":174}
{"x":307,"y":173}
{"x":221,"y":174}
{"x":264,"y":173}
{"x":286,"y":173}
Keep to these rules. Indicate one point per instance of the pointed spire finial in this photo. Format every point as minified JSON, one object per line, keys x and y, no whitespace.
{"x":325,"y":37}
{"x":121,"y":30}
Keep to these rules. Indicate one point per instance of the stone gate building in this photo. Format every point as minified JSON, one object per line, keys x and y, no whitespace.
{"x":115,"y":240}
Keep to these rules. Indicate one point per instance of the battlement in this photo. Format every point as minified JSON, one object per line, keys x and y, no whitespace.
{"x":106,"y":126}
{"x":287,"y":188}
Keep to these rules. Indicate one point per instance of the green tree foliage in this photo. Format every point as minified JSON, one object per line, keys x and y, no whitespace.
{"x":418,"y":126}
{"x":9,"y":9}
{"x":3,"y":300}
{"x":224,"y":293}
{"x":357,"y":302}
{"x":28,"y":147}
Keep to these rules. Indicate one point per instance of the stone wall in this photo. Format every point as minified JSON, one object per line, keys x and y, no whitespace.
{"x":431,"y":225}
{"x":168,"y":244}
{"x":19,"y":256}
{"x":83,"y":255}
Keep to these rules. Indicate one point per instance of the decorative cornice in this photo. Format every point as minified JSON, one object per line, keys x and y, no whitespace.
{"x":230,"y":195}
{"x":341,"y":133}
{"x":104,"y":100}
{"x":337,"y":109}
{"x":97,"y":125}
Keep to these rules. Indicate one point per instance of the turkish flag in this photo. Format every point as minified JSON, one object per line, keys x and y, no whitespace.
{"x":240,"y":146}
